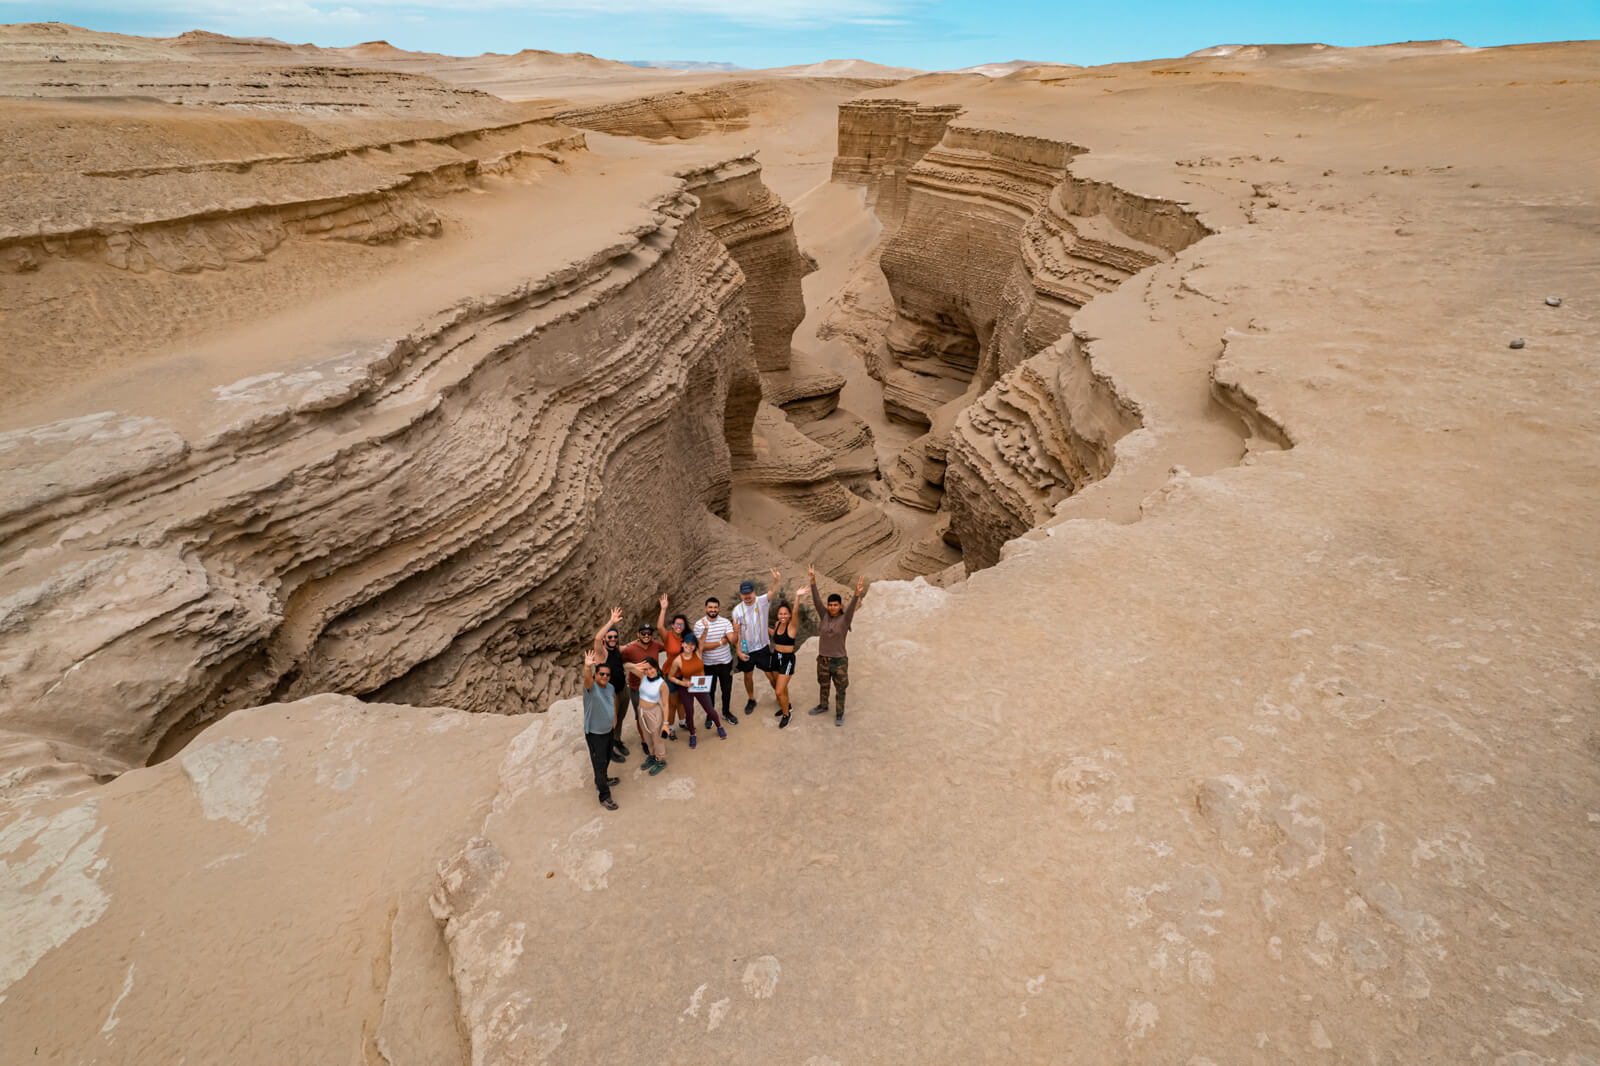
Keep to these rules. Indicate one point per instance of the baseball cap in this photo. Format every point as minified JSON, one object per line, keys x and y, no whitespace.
{"x":746,"y":586}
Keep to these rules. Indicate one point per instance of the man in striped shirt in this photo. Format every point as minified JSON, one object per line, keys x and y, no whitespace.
{"x":716,"y":649}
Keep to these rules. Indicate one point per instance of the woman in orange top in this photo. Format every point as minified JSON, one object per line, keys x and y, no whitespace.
{"x":680,"y":671}
{"x":672,"y":637}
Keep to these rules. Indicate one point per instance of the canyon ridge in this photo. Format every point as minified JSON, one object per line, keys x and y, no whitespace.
{"x":1218,"y":436}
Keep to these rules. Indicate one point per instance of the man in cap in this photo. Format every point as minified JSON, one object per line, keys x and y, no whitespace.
{"x":645,"y":648}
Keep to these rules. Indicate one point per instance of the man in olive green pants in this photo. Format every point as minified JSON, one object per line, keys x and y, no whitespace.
{"x":833,"y":661}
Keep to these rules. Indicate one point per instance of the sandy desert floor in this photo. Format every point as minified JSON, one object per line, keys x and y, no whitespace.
{"x":1246,"y":709}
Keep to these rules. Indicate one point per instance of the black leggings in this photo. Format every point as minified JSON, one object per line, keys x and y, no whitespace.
{"x":723,"y":672}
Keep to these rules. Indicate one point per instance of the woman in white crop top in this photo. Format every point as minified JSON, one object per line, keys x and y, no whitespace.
{"x":652,"y":695}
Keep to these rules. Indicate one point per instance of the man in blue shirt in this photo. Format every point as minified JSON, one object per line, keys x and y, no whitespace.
{"x":599,"y":714}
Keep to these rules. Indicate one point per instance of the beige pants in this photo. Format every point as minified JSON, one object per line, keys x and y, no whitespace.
{"x":650,"y":715}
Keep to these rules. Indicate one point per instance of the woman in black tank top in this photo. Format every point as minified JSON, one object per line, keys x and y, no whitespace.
{"x":783,"y":633}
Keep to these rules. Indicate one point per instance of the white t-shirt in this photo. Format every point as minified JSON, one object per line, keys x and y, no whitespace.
{"x":752,"y":621}
{"x":709,"y":629}
{"x":650,"y":691}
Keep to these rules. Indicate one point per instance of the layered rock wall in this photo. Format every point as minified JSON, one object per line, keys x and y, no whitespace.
{"x":757,"y":228}
{"x":996,"y":247}
{"x":437,"y":518}
{"x":880,"y":141}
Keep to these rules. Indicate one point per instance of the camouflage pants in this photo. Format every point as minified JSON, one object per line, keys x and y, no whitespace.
{"x":837,"y":671}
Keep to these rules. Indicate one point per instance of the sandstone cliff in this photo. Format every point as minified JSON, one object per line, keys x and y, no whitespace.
{"x":437,"y":516}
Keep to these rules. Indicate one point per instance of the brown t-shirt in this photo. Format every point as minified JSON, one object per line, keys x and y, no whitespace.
{"x":830,"y":639}
{"x":636,"y":652}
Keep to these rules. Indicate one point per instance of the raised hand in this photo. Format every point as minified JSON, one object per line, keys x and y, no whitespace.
{"x":811,"y":572}
{"x":616,"y":615}
{"x":663,"y":601}
{"x":589,"y":658}
{"x":777,"y":578}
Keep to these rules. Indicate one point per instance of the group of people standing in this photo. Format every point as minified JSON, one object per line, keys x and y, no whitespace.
{"x":665,"y":680}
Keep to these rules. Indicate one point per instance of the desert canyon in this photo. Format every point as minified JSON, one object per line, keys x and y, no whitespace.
{"x":1220,"y":436}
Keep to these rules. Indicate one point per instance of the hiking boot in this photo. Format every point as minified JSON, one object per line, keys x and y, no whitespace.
{"x":783,"y":723}
{"x":818,"y":709}
{"x":609,"y":804}
{"x":658,"y":767}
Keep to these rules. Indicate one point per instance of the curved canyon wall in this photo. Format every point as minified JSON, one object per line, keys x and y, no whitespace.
{"x":994,"y":247}
{"x":437,"y":519}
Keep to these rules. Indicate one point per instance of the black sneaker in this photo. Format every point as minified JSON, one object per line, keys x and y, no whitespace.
{"x":778,"y":713}
{"x":783,"y":723}
{"x":818,"y":709}
{"x":749,"y":705}
{"x":619,"y":747}
{"x":609,"y":804}
{"x":613,"y":781}
{"x":730,"y":718}
{"x":617,"y":756}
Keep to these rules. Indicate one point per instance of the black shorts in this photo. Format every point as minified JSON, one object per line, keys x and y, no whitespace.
{"x":760,"y":659}
{"x":783,"y":662}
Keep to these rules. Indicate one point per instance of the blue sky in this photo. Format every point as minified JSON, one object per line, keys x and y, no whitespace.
{"x":930,"y":34}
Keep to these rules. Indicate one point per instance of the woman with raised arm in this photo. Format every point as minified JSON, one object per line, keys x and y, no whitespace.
{"x":785,"y":632}
{"x":684,"y":669}
{"x":672,"y":637}
{"x":652,"y":695}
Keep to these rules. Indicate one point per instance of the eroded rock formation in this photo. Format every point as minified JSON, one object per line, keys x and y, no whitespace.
{"x":430,"y":518}
{"x":994,"y":246}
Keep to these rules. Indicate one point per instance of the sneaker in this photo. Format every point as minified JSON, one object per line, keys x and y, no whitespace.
{"x":620,"y":747}
{"x":613,"y":781}
{"x":649,"y":762}
{"x":609,"y":804}
{"x":838,"y":719}
{"x":709,"y":723}
{"x":783,"y":723}
{"x":672,"y":734}
{"x":749,"y":705}
{"x":818,"y":709}
{"x":658,"y":767}
{"x":691,"y":740}
{"x":721,"y":732}
{"x":777,"y":712}
{"x":617,"y":756}
{"x":730,"y":718}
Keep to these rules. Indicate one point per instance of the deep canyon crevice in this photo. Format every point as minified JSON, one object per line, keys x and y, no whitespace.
{"x":431,"y":519}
